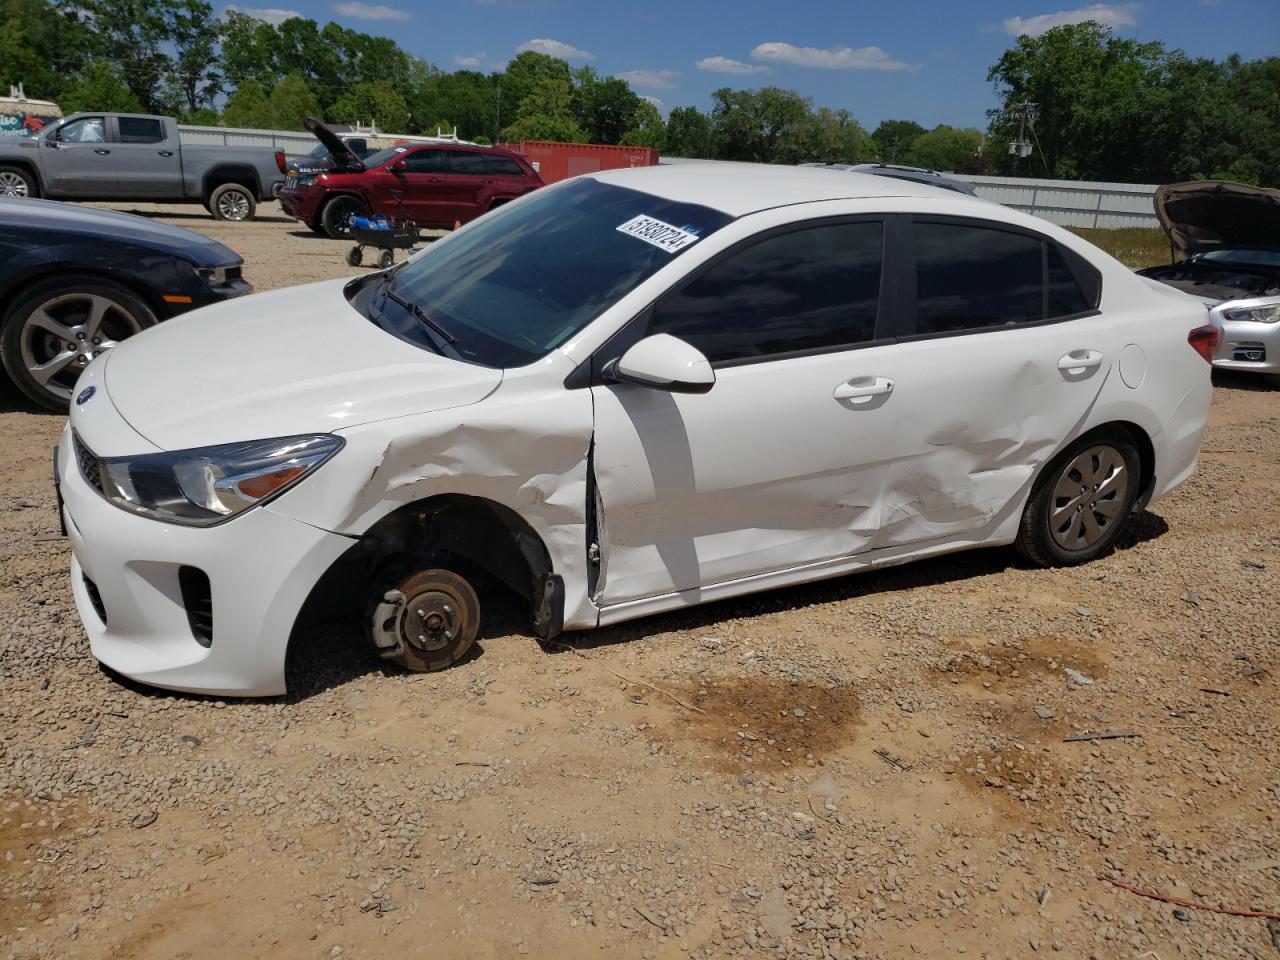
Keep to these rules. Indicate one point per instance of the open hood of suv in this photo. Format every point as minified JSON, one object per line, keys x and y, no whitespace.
{"x":343,"y":156}
{"x":1205,"y":215}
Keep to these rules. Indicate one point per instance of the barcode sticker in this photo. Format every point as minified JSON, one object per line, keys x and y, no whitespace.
{"x":662,"y":235}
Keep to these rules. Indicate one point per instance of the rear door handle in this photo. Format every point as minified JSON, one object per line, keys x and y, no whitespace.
{"x":1078,"y":361}
{"x":166,"y":153}
{"x":102,"y":153}
{"x":863,"y":389}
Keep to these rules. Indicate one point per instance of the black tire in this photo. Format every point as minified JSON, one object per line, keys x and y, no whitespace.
{"x":439,"y":623}
{"x":233,"y":202}
{"x":336,"y":213}
{"x":386,"y":259}
{"x":70,"y":301}
{"x":1062,"y":527}
{"x":355,"y":256}
{"x":17,"y":182}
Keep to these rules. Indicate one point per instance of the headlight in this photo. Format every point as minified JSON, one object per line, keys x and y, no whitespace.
{"x":306,"y":180}
{"x":207,"y":485}
{"x":1258,"y":311}
{"x":218,"y":276}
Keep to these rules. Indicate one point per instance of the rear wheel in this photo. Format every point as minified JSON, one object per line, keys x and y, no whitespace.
{"x":1081,"y":502}
{"x":232,"y":201}
{"x":337,"y":212}
{"x":436,"y":623}
{"x":386,"y":258}
{"x":16,"y":182}
{"x":52,"y":332}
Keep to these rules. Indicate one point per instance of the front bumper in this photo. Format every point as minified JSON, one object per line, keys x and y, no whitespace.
{"x":300,"y":204}
{"x":125,"y":577}
{"x":1248,"y":345}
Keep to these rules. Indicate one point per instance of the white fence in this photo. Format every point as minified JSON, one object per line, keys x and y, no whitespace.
{"x":1073,"y":203}
{"x":287,"y":140}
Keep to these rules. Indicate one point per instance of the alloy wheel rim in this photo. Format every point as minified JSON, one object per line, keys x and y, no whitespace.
{"x":233,"y":205}
{"x":12,"y":185}
{"x":1088,"y":497}
{"x":64,"y":333}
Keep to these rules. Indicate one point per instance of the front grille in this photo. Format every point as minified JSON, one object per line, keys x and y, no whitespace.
{"x":197,"y":597}
{"x":95,"y":598}
{"x":90,"y":465}
{"x":1253,"y":352}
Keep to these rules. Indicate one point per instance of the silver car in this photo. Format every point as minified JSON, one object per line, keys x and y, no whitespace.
{"x":1224,"y":239}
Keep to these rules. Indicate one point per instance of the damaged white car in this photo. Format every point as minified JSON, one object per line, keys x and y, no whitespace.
{"x":627,"y":393}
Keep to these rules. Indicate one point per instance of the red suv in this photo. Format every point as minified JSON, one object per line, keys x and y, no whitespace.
{"x":432,"y":184}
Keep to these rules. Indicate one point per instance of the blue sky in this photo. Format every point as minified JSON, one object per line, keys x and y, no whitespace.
{"x":925,"y":60}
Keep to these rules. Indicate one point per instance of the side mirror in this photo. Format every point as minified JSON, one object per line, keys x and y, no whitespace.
{"x":663,"y":362}
{"x":399,"y":167}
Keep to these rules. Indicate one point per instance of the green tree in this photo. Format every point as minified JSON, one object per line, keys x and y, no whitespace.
{"x":248,"y":107}
{"x":688,"y":133}
{"x":291,"y":102}
{"x":248,"y":50}
{"x":546,"y":113}
{"x":524,"y":72}
{"x":42,"y":47}
{"x":770,"y":125}
{"x":194,"y":32}
{"x":99,"y":87}
{"x":946,"y":148}
{"x":893,"y":140}
{"x":375,"y":102}
{"x":647,"y":128}
{"x":606,"y":108}
{"x":133,"y":35}
{"x":836,"y":136}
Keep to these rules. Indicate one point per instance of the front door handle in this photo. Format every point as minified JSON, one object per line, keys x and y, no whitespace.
{"x":166,"y":153}
{"x":1077,"y":362}
{"x":863,"y":389}
{"x":102,"y":153}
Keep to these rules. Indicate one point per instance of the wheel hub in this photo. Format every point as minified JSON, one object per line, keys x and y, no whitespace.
{"x":431,"y":620}
{"x":1088,"y":498}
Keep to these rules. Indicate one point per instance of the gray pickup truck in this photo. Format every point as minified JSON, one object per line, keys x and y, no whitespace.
{"x":122,"y":156}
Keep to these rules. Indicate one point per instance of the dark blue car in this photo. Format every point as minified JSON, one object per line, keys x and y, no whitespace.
{"x":74,"y":281}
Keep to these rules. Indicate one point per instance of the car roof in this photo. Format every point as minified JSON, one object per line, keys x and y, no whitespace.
{"x":738,"y":189}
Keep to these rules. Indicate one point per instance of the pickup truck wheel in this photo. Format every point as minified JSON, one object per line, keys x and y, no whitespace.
{"x":16,"y":182}
{"x":435,"y":623}
{"x":55,"y":328}
{"x":337,"y":212}
{"x":232,"y":201}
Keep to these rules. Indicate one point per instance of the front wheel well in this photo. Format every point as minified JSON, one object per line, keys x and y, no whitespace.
{"x":31,"y":171}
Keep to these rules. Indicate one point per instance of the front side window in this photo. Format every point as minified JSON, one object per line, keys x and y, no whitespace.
{"x":140,"y":130}
{"x":815,"y":288}
{"x":521,"y":281}
{"x":427,"y":161}
{"x":84,"y":130}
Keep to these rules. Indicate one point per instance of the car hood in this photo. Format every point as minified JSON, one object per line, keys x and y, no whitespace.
{"x":293,"y":361}
{"x":343,"y":156}
{"x":1208,"y":215}
{"x":108,"y":226}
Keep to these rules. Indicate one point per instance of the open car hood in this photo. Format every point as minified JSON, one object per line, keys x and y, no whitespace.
{"x":343,"y":156}
{"x":1205,"y":215}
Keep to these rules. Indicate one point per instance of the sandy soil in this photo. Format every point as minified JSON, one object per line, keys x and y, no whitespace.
{"x":869,"y":767}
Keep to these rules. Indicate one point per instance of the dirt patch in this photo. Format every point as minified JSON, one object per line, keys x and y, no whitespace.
{"x":1048,"y":656}
{"x":766,"y":724}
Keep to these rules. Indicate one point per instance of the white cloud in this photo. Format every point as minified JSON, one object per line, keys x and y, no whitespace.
{"x":833,"y":58}
{"x":1108,"y":14}
{"x":661,"y":79}
{"x":657,"y":102}
{"x":473,"y":60}
{"x":729,"y":65}
{"x":274,"y":15}
{"x":555,"y":48}
{"x":371,"y":11}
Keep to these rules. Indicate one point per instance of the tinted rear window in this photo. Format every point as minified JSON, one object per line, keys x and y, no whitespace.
{"x":140,"y":130}
{"x":499,"y":166}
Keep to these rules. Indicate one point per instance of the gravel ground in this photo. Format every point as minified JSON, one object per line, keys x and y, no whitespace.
{"x":870,"y":767}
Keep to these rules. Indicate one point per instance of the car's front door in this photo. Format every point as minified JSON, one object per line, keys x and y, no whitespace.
{"x":148,"y":164}
{"x":1004,"y":359}
{"x":781,"y":463}
{"x":420,"y":187}
{"x":76,"y":160}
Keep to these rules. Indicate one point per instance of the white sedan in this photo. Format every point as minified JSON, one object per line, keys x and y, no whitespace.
{"x":626,"y":393}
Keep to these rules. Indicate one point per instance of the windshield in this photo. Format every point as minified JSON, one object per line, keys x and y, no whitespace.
{"x":522,"y":281}
{"x":318,"y":152}
{"x":1255,"y":258}
{"x":382,"y":156}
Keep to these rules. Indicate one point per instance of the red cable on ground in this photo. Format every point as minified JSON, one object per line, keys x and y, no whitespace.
{"x":1191,"y":903}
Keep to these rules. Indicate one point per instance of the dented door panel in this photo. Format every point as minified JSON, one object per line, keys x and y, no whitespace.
{"x":768,"y":470}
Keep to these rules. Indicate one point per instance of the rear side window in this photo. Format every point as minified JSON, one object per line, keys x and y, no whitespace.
{"x":811,"y":289}
{"x":464,"y":161}
{"x":499,"y":166}
{"x":971,"y":278}
{"x":140,"y":130}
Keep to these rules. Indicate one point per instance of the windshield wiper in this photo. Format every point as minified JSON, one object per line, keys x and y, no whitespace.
{"x":417,"y":311}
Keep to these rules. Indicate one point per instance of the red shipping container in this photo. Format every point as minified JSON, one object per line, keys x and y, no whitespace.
{"x":559,"y":161}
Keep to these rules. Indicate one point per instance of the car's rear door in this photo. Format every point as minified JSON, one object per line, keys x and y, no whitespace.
{"x":470,"y":183}
{"x":781,"y":463}
{"x":1003,"y":355}
{"x":148,"y":161}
